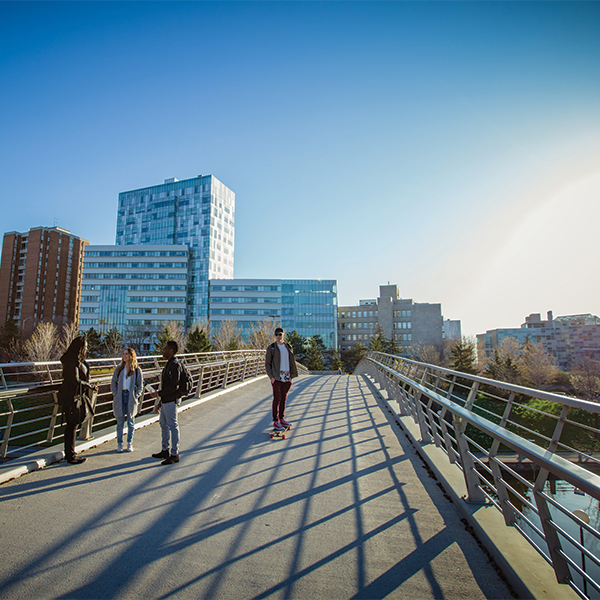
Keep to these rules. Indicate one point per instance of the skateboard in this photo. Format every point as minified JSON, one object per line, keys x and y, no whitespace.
{"x":279,"y":433}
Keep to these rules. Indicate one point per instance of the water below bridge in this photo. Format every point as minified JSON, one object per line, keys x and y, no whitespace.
{"x":342,"y":508}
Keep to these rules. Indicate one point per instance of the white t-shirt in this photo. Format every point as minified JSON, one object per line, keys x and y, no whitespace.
{"x":284,"y":361}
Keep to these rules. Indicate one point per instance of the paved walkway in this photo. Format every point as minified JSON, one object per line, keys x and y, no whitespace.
{"x":342,"y":508}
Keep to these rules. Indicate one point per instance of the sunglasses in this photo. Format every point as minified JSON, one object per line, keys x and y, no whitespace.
{"x":278,"y":334}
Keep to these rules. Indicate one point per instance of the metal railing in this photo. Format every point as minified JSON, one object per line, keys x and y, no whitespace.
{"x":29,"y":409}
{"x":514,"y":446}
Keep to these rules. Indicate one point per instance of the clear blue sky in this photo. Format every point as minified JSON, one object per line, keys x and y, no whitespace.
{"x":452,"y":148}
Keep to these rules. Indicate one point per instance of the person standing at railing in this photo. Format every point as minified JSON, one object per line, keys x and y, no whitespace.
{"x":127,"y":386}
{"x":75,"y":393}
{"x":280,"y":366}
{"x":169,"y":397}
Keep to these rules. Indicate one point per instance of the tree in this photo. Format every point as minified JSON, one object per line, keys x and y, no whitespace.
{"x":378,"y":343}
{"x":198,"y":340}
{"x":586,"y":378}
{"x":352,"y":357}
{"x":113,"y":343}
{"x":94,"y":343}
{"x":463,"y":357}
{"x":392,"y":347}
{"x":314,"y":354}
{"x":261,"y":333}
{"x":69,"y":332}
{"x":42,"y":345}
{"x":336,"y":361}
{"x":504,"y":364}
{"x":171,"y":331}
{"x":298,"y":343}
{"x":227,"y":337}
{"x":428,"y":354}
{"x":536,"y":366}
{"x":9,"y":340}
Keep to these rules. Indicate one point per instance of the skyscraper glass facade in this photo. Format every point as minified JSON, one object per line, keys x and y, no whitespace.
{"x":198,"y":213}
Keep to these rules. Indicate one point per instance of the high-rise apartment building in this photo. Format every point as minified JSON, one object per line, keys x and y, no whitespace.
{"x":135,"y":289}
{"x":198,"y":213}
{"x":308,"y":306}
{"x":412,"y":325}
{"x":40,"y":277}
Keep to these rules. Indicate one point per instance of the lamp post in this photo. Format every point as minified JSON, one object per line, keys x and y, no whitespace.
{"x":583,"y":516}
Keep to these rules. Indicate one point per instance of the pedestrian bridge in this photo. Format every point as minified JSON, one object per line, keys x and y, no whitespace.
{"x":360,"y":500}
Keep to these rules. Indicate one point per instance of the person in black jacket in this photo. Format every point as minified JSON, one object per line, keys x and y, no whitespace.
{"x":76,"y":382}
{"x":169,"y":398}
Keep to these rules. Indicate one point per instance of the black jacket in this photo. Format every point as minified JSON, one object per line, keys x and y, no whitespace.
{"x":76,"y":377}
{"x":169,"y":379}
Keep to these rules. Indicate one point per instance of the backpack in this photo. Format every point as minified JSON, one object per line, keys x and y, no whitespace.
{"x":186,"y":383}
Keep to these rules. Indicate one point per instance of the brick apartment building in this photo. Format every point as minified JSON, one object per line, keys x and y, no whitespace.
{"x":40,"y":277}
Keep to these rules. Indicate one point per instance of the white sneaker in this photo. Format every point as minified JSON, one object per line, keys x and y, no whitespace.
{"x":119,"y":447}
{"x":129,"y":447}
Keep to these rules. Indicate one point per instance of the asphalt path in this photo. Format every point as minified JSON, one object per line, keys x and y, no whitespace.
{"x":342,"y":508}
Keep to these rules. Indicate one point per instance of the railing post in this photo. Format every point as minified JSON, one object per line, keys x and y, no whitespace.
{"x":244,"y":369}
{"x":6,"y":436}
{"x":199,"y":384}
{"x":226,"y":375}
{"x":474,"y":494}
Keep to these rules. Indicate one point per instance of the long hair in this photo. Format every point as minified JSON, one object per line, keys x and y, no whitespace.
{"x":134,"y":363}
{"x":75,"y":352}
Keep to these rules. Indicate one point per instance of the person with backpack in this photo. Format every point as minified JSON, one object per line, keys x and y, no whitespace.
{"x":280,"y":366}
{"x":127,"y":387}
{"x":174,"y":383}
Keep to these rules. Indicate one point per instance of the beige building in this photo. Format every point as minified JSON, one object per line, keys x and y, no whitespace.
{"x":410,"y":324}
{"x":40,"y":277}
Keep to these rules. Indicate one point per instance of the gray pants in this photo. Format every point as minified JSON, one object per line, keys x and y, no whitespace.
{"x":169,"y":427}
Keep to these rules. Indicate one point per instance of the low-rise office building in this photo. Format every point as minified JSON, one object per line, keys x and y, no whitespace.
{"x":136,"y":289}
{"x":308,"y":306}
{"x":410,"y":324}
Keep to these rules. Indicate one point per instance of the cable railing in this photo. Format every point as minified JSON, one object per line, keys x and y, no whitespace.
{"x":531,"y":454}
{"x":30,"y":415}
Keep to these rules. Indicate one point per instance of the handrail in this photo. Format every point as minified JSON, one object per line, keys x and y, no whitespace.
{"x":475,"y":420}
{"x":29,"y":408}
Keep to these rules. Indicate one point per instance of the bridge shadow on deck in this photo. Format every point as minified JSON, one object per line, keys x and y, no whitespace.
{"x":338,"y":510}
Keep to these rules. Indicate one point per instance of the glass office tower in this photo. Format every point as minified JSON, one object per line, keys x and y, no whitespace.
{"x":198,"y":213}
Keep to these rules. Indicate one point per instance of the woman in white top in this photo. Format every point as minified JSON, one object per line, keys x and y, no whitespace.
{"x":127,"y":387}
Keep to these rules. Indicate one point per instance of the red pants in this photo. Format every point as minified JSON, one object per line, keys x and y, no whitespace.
{"x":280,"y":392}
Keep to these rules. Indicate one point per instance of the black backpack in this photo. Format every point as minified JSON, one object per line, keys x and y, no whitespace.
{"x":186,"y":383}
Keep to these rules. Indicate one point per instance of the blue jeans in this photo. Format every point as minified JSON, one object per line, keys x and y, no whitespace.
{"x":169,"y":427}
{"x":121,"y":420}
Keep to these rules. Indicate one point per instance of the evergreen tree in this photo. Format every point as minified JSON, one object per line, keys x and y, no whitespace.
{"x":352,"y":357}
{"x":393,"y":348}
{"x":463,"y":356}
{"x":298,"y":343}
{"x":336,"y":362}
{"x":94,"y":343}
{"x":198,"y":341}
{"x":314,"y":355}
{"x":379,"y":342}
{"x":164,"y":335}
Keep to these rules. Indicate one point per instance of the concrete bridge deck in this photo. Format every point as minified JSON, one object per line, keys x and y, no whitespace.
{"x":342,"y":508}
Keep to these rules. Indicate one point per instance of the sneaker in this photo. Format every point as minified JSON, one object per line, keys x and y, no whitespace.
{"x":161,"y":454}
{"x":278,"y":426}
{"x":119,"y":447}
{"x":129,"y":447}
{"x":77,"y":460}
{"x":174,"y":458}
{"x":284,"y":423}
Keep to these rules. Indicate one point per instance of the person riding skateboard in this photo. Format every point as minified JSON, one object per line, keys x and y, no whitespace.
{"x":280,"y":366}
